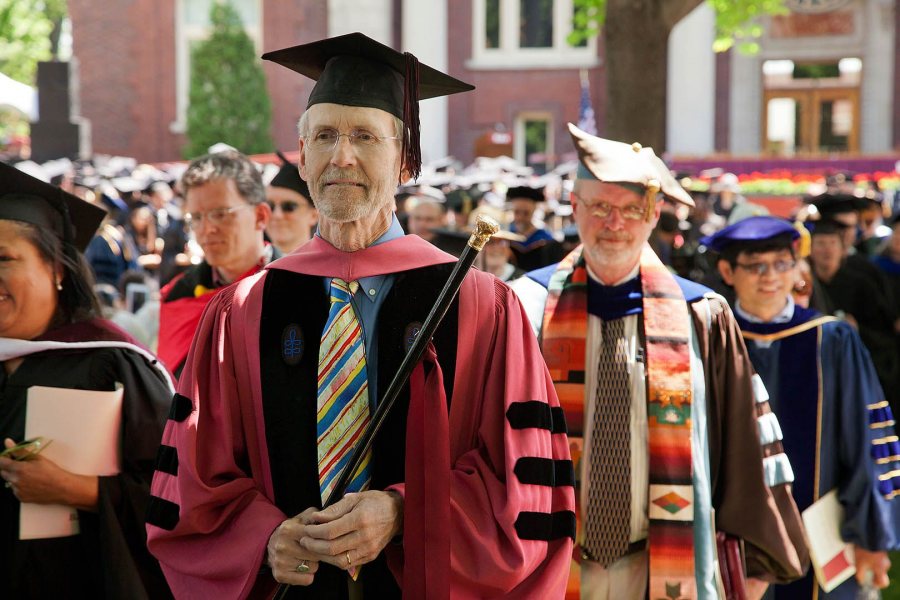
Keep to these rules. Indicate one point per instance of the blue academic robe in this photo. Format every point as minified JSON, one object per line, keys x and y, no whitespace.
{"x":837,"y":434}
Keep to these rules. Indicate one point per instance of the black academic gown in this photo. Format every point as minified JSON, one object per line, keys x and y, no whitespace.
{"x":291,"y":424}
{"x":109,"y":558}
{"x":853,"y":291}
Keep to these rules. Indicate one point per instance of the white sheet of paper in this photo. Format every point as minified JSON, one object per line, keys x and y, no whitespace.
{"x":84,"y":428}
{"x":832,"y":557}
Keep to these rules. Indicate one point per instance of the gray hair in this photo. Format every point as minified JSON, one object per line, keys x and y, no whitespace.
{"x":304,"y":118}
{"x":229,"y":164}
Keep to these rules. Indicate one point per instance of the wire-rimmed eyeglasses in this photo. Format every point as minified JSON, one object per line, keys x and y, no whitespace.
{"x":326,"y":139}
{"x":601,"y":209}
{"x":216,"y":216}
{"x":761,"y":268}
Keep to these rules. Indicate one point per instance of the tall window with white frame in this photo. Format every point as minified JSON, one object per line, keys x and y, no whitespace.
{"x":533,"y":142}
{"x":192,"y":26}
{"x":527,"y":33}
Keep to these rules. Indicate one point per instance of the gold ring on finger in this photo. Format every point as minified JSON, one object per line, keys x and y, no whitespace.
{"x":349,"y":562}
{"x":303,"y":567}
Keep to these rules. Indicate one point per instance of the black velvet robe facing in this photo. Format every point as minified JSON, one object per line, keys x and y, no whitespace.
{"x":289,"y":386}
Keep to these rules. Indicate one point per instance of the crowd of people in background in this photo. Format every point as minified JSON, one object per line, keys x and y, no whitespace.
{"x":168,"y":244}
{"x":850,"y":226}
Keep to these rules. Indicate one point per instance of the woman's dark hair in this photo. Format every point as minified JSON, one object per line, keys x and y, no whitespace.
{"x":77,"y":301}
{"x":781,"y":242}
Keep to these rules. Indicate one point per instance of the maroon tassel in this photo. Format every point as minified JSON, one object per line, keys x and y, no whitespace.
{"x":412,"y":151}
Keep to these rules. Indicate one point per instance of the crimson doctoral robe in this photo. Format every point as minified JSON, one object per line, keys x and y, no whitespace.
{"x":509,"y":496}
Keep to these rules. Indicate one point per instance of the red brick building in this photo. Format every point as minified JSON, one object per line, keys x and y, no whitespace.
{"x":132,"y":80}
{"x":134,"y":71}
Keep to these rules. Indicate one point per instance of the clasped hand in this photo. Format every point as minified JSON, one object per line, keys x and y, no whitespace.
{"x":357,"y":527}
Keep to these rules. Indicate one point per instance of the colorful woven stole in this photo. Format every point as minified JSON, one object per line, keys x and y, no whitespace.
{"x":343,"y":391}
{"x":667,"y":336}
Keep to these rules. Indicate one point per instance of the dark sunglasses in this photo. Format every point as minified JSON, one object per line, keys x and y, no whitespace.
{"x":286,"y":207}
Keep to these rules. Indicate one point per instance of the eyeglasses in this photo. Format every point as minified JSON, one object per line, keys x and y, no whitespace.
{"x":601,"y":209}
{"x":287,"y":207}
{"x":761,"y":268}
{"x":216,"y":216}
{"x":326,"y":140}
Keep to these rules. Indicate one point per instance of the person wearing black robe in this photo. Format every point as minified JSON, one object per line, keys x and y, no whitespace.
{"x":50,"y":336}
{"x":851,"y":293}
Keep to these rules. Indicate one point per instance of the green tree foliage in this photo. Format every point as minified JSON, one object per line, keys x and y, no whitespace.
{"x":737,"y":21}
{"x":635,"y":35}
{"x":24,"y":38}
{"x":228,"y":97}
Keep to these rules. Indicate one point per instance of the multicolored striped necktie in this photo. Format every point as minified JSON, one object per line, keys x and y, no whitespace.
{"x":343,"y":393}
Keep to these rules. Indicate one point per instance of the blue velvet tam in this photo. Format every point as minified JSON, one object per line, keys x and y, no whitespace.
{"x":753,"y":229}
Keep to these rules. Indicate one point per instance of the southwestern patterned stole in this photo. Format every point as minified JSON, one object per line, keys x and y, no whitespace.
{"x":666,"y":325}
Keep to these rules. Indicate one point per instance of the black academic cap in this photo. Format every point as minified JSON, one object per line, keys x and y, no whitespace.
{"x":834,"y":204}
{"x":456,"y":199}
{"x":30,"y":200}
{"x":826,"y":226}
{"x":355,"y":70}
{"x":524,"y":192}
{"x":451,"y":241}
{"x":289,"y":177}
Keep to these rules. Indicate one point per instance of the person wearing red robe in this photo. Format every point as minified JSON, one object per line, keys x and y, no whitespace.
{"x":225,"y":206}
{"x":471,"y":492}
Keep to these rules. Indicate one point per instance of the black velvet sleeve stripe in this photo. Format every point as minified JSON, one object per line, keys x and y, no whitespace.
{"x":544,"y":471}
{"x":530,"y":414}
{"x":534,"y":414}
{"x":167,"y":460}
{"x":181,"y":408}
{"x":559,"y":420}
{"x":546,"y":526}
{"x":162,"y":513}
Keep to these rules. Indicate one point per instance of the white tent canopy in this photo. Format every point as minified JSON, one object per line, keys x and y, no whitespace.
{"x":19,"y":96}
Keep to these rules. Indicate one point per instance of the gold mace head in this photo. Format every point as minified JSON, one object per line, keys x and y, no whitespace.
{"x":485,"y":227}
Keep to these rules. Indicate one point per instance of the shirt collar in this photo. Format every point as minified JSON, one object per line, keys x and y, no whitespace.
{"x":786,"y":314}
{"x":634,"y":273}
{"x":370,"y":286}
{"x":394,"y":231}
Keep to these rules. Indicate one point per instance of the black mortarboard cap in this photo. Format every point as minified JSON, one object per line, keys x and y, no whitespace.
{"x":355,"y":70}
{"x":524,"y":192}
{"x":289,"y":177}
{"x":451,"y":241}
{"x":456,"y":199}
{"x":826,"y":226}
{"x":30,"y":200}
{"x":829,"y":204}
